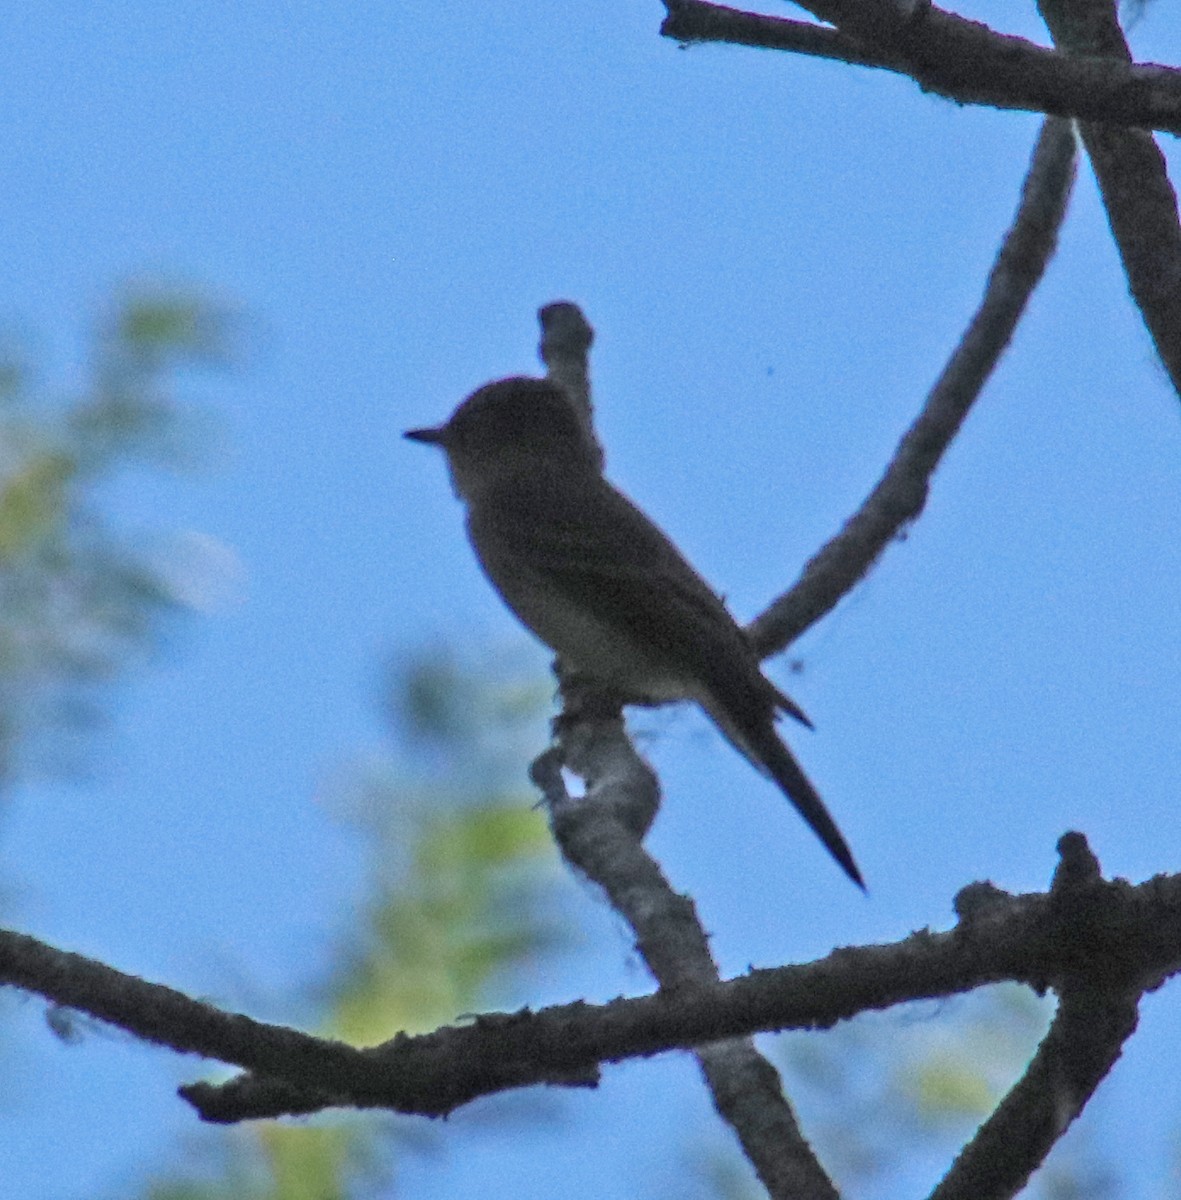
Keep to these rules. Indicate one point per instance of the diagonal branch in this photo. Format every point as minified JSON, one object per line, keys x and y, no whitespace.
{"x":1084,"y":1040}
{"x":901,"y":493}
{"x":950,"y":56}
{"x":601,"y":837}
{"x":1094,"y":1018}
{"x":1133,"y":179}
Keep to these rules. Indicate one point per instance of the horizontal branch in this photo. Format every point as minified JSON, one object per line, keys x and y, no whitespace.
{"x":1101,"y":932}
{"x":948,"y":55}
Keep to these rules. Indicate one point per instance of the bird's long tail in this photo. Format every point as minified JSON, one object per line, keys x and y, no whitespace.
{"x":761,"y":745}
{"x":780,"y":763}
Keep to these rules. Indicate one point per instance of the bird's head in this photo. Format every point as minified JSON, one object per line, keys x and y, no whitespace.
{"x":512,"y":425}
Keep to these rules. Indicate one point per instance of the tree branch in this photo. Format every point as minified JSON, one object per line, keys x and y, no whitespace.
{"x":1103,"y":938}
{"x":901,"y":493}
{"x":951,"y":56}
{"x":1087,"y":1035}
{"x":566,"y":339}
{"x":1133,"y":179}
{"x":601,"y":836}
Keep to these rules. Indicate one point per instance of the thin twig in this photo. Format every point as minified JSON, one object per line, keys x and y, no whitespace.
{"x":566,"y":339}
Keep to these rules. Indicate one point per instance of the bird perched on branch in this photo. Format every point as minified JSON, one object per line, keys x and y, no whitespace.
{"x":601,"y":585}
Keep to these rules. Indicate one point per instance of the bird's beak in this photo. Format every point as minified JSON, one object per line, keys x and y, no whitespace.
{"x":433,"y":437}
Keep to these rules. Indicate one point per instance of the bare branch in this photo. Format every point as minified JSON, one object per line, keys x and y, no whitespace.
{"x":1133,"y":178}
{"x":1083,"y":1043}
{"x":1099,"y":938}
{"x":566,"y":339}
{"x":1081,"y":1046}
{"x":1103,"y":939}
{"x":601,"y":836}
{"x":162,"y":1015}
{"x":951,"y":56}
{"x":901,"y":493}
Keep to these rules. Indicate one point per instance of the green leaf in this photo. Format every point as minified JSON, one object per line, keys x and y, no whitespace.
{"x":33,"y":502}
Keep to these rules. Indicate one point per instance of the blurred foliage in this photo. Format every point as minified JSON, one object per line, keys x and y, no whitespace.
{"x":457,"y":905}
{"x":923,"y":1073}
{"x":470,"y":716}
{"x":80,"y":600}
{"x":464,"y":911}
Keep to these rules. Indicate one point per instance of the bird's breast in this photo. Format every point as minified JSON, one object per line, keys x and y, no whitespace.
{"x":582,"y":639}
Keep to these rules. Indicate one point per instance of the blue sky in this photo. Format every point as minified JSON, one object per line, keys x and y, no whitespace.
{"x":777,"y":255}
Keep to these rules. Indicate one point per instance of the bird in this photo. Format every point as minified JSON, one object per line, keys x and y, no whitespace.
{"x":595,"y":579}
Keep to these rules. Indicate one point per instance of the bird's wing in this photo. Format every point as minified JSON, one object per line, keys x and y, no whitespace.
{"x":596,"y":547}
{"x":593,"y":546}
